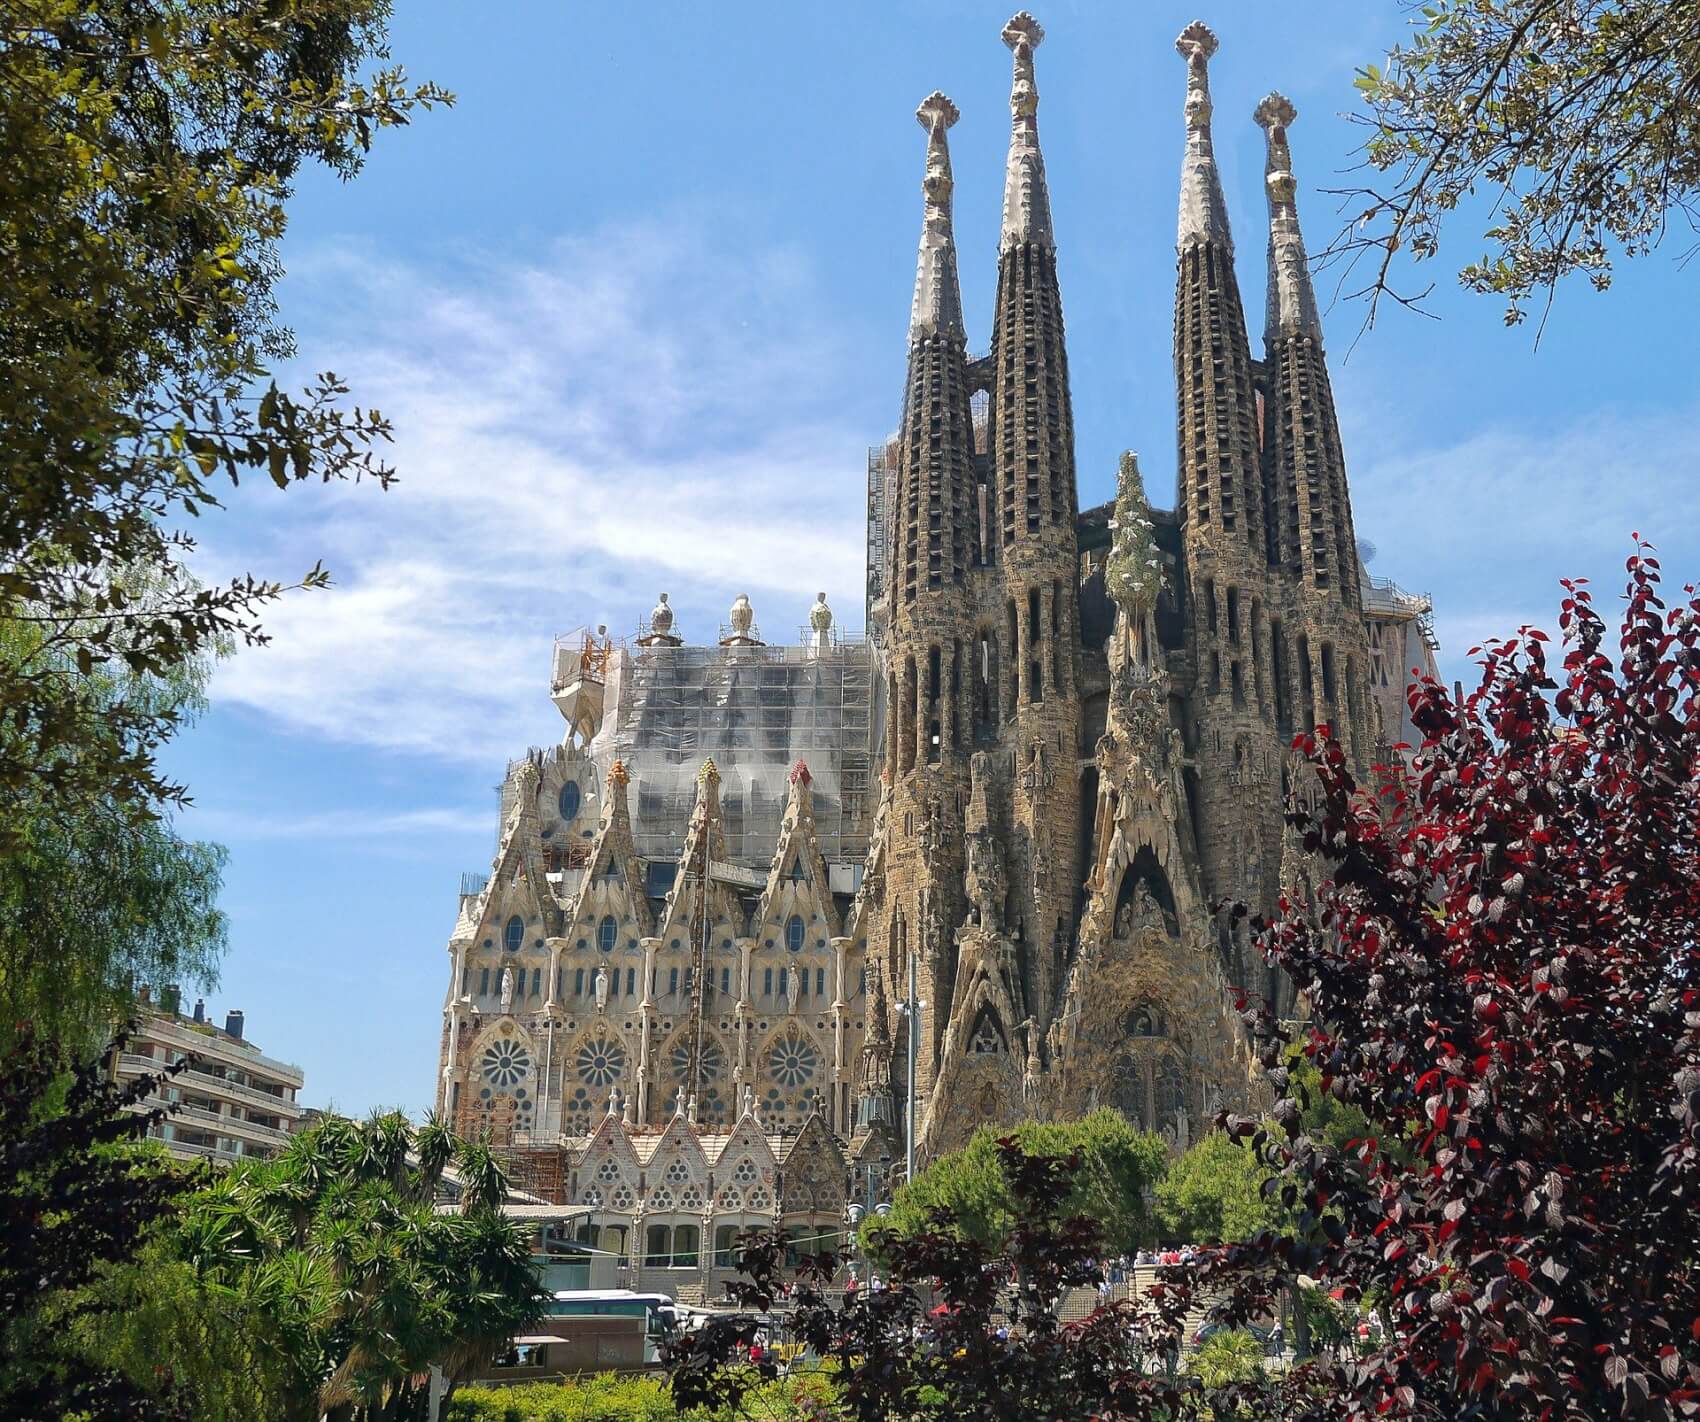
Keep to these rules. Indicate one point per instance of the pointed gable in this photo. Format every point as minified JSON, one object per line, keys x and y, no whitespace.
{"x":609,"y":913}
{"x":746,"y":1171}
{"x":609,"y":1169}
{"x":705,"y":841}
{"x":814,"y":1171}
{"x":797,"y":880}
{"x":677,"y":1173}
{"x":518,"y":886}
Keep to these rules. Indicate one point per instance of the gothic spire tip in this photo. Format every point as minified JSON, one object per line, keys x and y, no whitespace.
{"x":936,"y":108}
{"x":1276,"y":111}
{"x":1023,"y":28}
{"x":1197,"y":42}
{"x":1204,"y":213}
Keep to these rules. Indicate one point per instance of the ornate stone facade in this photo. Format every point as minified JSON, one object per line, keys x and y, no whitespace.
{"x":1080,"y":722}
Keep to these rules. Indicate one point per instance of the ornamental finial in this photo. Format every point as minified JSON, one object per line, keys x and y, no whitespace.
{"x":1204,"y":213}
{"x":1292,"y":298}
{"x":618,"y":777}
{"x":1026,"y":198}
{"x":709,"y":774}
{"x":937,"y":308}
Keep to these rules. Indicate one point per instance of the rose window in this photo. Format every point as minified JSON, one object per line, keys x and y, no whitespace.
{"x":660,"y":1198}
{"x":576,"y":1113}
{"x":793,"y":1059}
{"x":622,"y":1198}
{"x":592,"y":1197}
{"x":601,"y":1062}
{"x":745,"y":1172}
{"x":730,"y":1198}
{"x":691,"y":1198}
{"x":713,"y":1059}
{"x":760,"y":1199}
{"x":608,"y":1172}
{"x":506,"y":1063}
{"x":677,"y":1173}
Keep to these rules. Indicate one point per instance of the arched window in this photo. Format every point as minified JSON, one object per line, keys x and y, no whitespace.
{"x":514,"y":934}
{"x":794,"y":929}
{"x":570,"y":800}
{"x":607,"y":933}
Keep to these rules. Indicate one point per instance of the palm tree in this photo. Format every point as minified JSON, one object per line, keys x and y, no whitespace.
{"x":363,"y":1285}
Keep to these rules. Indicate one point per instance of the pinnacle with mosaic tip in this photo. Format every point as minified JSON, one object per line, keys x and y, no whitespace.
{"x":937,"y":308}
{"x":1026,"y":198}
{"x":1292,"y":298}
{"x":1203,"y":210}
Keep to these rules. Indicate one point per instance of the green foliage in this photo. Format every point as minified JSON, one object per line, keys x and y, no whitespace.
{"x":1213,"y":1194}
{"x":336,"y":1260}
{"x":92,"y":899}
{"x":155,"y":1320}
{"x":608,"y":1397}
{"x":1118,"y":1164}
{"x":1133,"y":572}
{"x":1577,"y":119}
{"x":78,"y":1196}
{"x":1229,"y":1356}
{"x":147,"y":152}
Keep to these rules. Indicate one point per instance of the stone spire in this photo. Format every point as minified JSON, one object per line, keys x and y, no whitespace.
{"x":1204,"y":215}
{"x":1221,"y":492}
{"x":1026,"y":199}
{"x":933,"y":537}
{"x":1311,"y":531}
{"x":938,"y":296}
{"x":1292,"y":299}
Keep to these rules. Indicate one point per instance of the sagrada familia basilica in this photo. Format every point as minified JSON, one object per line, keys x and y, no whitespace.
{"x":683,"y":995}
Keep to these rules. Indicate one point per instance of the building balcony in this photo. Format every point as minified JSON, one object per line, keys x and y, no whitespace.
{"x":130,"y":1065}
{"x":217,"y":1048}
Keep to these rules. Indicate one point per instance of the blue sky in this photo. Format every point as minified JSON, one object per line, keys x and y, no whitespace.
{"x":637,"y":305}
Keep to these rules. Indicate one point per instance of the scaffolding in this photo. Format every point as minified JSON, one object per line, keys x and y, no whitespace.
{"x":757,"y":710}
{"x":882,"y":471}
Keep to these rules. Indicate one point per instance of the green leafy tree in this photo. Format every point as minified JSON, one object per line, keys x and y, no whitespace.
{"x":1117,"y":1165}
{"x":1214,"y":1194}
{"x":147,"y":154}
{"x":356,"y":1281}
{"x":1230,"y":1355}
{"x":94,"y":901}
{"x":1572,"y":123}
{"x":76,"y":1197}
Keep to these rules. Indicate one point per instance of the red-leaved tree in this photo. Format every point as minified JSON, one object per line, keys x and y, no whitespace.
{"x":1502,"y":967}
{"x":1503,"y":974}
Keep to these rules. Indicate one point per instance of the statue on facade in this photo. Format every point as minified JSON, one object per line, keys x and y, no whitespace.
{"x":602,"y":988}
{"x":1147,"y":912}
{"x":1124,"y":923}
{"x":507,"y":989}
{"x":983,"y":880}
{"x":793,"y":985}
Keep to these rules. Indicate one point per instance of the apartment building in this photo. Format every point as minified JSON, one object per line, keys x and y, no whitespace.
{"x":231,"y":1103}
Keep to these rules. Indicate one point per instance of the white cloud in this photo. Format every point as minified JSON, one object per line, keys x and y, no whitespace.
{"x":629,"y":414}
{"x":218,"y":823}
{"x":1490,"y":523}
